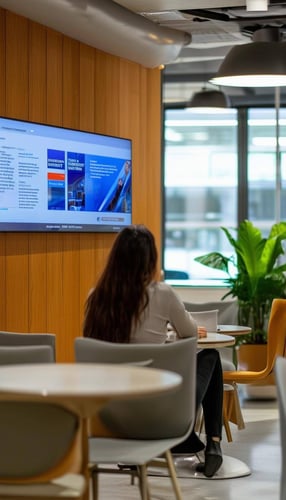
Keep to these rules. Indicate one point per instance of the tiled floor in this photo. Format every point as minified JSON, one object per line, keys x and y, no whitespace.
{"x":258,"y":445}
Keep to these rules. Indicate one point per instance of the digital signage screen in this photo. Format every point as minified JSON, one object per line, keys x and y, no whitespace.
{"x":59,"y":179}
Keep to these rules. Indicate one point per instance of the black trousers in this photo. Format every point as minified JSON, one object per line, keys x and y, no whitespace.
{"x":209,"y":392}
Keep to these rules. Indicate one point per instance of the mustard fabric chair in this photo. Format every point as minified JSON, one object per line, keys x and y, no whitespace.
{"x":40,"y":451}
{"x":276,"y":336}
{"x":280,"y":375}
{"x":148,"y":427}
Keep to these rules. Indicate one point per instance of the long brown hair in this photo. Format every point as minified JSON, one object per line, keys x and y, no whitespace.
{"x":120,"y":296}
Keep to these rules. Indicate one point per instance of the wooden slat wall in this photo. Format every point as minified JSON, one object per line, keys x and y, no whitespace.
{"x":49,"y":78}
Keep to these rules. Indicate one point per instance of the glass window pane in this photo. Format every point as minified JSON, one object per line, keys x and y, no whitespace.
{"x":266,"y":162}
{"x":200,"y":180}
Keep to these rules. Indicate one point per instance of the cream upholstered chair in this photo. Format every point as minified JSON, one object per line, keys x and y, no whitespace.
{"x":227,"y":315}
{"x":40,"y":451}
{"x":280,"y":375}
{"x":25,"y":339}
{"x":148,"y":427}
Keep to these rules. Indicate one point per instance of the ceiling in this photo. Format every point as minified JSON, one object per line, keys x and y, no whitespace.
{"x":190,"y":37}
{"x":215,"y":26}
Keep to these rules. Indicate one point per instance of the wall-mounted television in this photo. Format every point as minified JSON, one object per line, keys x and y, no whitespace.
{"x":59,"y":179}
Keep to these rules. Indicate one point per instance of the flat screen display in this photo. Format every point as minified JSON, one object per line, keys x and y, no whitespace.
{"x":59,"y":179}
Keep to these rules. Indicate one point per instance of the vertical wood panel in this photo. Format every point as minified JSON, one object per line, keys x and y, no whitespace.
{"x":3,"y":299}
{"x":86,"y":88}
{"x":142,"y":157}
{"x":37,"y":283}
{"x":55,"y":290}
{"x":17,"y":77}
{"x":2,"y":63}
{"x":37,"y":242}
{"x":71,"y":261}
{"x":107,"y":109}
{"x":17,"y":245}
{"x":17,"y":282}
{"x":71,"y":79}
{"x":37,"y":73}
{"x":87,"y":242}
{"x":71,"y":298}
{"x":54,"y":257}
{"x":54,"y":77}
{"x":153,"y":139}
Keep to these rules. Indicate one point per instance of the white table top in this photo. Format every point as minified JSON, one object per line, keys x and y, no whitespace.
{"x":83,"y":386}
{"x":233,"y":329}
{"x":215,"y":340}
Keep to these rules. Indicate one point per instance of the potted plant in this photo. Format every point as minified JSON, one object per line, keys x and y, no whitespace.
{"x":254,"y":277}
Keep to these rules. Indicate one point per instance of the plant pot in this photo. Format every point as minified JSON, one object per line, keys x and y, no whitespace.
{"x":253,"y":357}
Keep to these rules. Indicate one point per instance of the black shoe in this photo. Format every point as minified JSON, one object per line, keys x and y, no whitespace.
{"x":127,"y":467}
{"x":213,"y":458}
{"x":190,"y":446}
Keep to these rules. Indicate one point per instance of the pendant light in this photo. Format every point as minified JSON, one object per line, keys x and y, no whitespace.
{"x":209,"y":99}
{"x":261,"y":63}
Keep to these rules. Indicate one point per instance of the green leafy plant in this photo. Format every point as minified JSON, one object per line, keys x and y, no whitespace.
{"x":259,"y":277}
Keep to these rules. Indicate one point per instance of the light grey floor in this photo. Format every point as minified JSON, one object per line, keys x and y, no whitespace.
{"x":258,"y":445}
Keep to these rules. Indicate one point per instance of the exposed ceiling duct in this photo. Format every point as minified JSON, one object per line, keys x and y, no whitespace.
{"x":107,"y":26}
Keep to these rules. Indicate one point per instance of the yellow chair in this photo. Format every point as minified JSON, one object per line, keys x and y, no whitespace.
{"x":276,"y":339}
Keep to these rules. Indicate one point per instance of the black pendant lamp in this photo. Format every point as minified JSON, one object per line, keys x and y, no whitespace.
{"x":261,"y":63}
{"x":209,"y":99}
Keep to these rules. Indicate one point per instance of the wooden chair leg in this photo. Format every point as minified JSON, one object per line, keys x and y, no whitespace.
{"x":94,"y":484}
{"x":173,"y":475}
{"x":227,"y":409}
{"x":143,"y":482}
{"x":226,"y":425}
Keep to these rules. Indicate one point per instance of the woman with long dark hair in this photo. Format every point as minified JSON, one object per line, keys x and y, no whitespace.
{"x":129,"y":305}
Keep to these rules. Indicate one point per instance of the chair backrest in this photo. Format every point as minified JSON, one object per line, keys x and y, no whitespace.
{"x":17,"y":338}
{"x":168,"y":415}
{"x":39,"y":441}
{"x":227,"y":310}
{"x":280,"y":374}
{"x":227,"y":315}
{"x":10,"y":355}
{"x":276,"y":333}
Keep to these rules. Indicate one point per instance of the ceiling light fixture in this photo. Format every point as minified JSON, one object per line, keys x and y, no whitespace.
{"x":261,"y":63}
{"x":209,"y":99}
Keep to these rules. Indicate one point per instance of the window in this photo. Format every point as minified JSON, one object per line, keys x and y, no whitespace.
{"x":203,"y":188}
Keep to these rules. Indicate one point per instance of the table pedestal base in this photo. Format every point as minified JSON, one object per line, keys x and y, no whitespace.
{"x":186,"y":467}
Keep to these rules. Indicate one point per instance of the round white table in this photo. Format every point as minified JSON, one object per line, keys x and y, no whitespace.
{"x":215,"y":341}
{"x":234,"y":330}
{"x":83,"y":387}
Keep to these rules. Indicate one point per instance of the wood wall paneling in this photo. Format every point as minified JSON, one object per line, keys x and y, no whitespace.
{"x":3,"y":281}
{"x":2,"y":63}
{"x":17,"y":67}
{"x":37,"y":90}
{"x":54,"y":82}
{"x":17,"y":282}
{"x":53,"y":79}
{"x":2,"y":113}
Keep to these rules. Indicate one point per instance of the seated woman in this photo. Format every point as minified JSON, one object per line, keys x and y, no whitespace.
{"x":129,"y":305}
